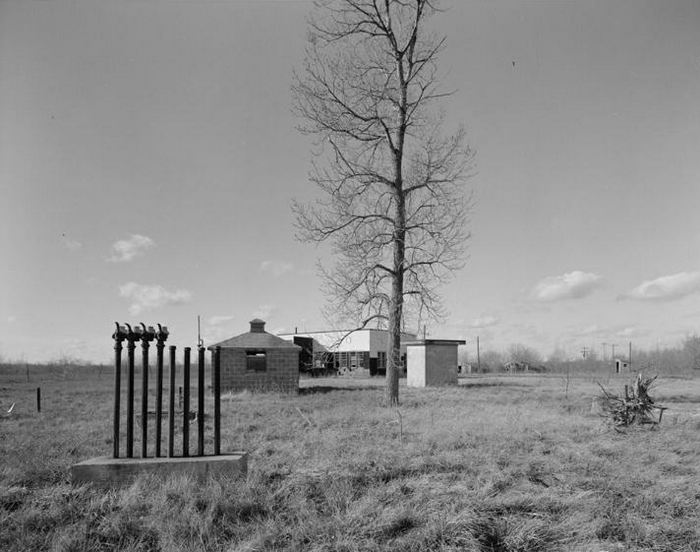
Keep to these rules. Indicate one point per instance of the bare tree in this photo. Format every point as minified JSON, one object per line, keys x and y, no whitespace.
{"x":522,"y":354}
{"x":691,"y":351}
{"x":393,"y":204}
{"x":492,"y":361}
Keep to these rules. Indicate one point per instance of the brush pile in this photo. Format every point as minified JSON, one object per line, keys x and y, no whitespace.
{"x":634,"y":407}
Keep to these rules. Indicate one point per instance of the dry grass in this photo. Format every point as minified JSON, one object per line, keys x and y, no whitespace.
{"x":497,"y":464}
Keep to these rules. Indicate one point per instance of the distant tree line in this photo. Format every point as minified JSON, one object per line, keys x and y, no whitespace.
{"x":683,"y":358}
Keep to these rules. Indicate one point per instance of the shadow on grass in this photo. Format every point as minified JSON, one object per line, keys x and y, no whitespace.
{"x":322,"y":389}
{"x":478,"y":384}
{"x":319,"y":389}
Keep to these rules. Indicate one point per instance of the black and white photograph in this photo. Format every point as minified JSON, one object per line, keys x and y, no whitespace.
{"x":350,"y":275}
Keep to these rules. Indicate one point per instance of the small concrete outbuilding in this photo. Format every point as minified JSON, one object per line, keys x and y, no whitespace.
{"x":259,"y":361}
{"x":620,"y":364}
{"x":432,"y":362}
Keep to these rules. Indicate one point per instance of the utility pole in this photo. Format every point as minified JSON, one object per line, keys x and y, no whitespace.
{"x":629,"y":357}
{"x":478,"y":356}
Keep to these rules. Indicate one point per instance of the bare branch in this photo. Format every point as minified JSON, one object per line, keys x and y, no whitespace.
{"x":393,"y":205}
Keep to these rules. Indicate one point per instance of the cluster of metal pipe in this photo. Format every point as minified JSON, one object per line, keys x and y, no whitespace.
{"x":145,"y":335}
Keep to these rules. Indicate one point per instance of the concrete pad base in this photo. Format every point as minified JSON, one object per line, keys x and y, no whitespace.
{"x":105,"y":471}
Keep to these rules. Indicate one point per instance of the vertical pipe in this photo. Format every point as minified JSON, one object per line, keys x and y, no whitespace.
{"x":117,"y":392}
{"x":217,"y":400}
{"x":171,"y":413}
{"x":131,"y":345}
{"x":200,"y":401}
{"x":144,"y":399}
{"x":478,"y":356}
{"x":186,"y":405}
{"x":159,"y":393}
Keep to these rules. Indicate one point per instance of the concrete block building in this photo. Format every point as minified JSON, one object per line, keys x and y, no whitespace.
{"x":259,"y":361}
{"x":432,"y":362}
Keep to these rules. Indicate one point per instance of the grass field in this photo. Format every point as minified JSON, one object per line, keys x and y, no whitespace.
{"x":496,"y":464}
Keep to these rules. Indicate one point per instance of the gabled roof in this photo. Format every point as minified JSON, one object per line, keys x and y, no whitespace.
{"x":257,"y":338}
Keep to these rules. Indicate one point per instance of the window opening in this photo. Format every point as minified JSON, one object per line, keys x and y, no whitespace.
{"x":256,"y":361}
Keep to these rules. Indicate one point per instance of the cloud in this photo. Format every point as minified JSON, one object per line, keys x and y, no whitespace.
{"x":276,"y":268}
{"x":127,"y":250}
{"x":572,"y":285}
{"x":596,"y":332}
{"x":589,"y":330}
{"x":484,"y":322}
{"x":216,"y":328}
{"x":667,"y":288}
{"x":631,"y":331}
{"x":149,"y":297}
{"x":219,"y":320}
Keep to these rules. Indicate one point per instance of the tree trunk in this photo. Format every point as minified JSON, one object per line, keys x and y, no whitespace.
{"x":396,"y":307}
{"x":394,"y":345}
{"x":399,"y":241}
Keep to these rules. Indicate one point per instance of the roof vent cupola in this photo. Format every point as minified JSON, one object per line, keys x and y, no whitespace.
{"x":257,"y":326}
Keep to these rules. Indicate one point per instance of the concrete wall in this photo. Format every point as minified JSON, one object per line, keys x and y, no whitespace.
{"x":415,"y":364}
{"x":282,"y":372}
{"x":431,"y":365}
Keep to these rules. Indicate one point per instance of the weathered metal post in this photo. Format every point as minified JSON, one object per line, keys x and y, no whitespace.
{"x":200,"y":401}
{"x":171,"y":412}
{"x":119,"y":335}
{"x":186,"y":405}
{"x":132,"y":336}
{"x":161,"y":337}
{"x":217,"y":400}
{"x":147,"y":335}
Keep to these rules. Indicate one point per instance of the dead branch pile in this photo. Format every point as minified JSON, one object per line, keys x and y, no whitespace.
{"x":634,"y":407}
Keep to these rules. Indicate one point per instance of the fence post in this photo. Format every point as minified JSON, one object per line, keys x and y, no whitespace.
{"x":161,"y":337}
{"x":171,"y":412}
{"x":200,"y":401}
{"x":217,"y":400}
{"x":118,"y":336}
{"x":186,"y":405}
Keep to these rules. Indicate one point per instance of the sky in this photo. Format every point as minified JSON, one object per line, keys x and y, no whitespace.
{"x":148,"y":158}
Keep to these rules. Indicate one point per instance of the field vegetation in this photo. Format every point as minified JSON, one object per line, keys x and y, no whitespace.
{"x":499,"y":463}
